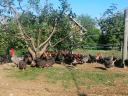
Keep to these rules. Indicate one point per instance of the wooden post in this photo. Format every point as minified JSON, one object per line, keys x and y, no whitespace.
{"x":125,"y":37}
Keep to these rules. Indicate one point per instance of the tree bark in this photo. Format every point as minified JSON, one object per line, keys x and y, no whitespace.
{"x":43,"y":49}
{"x":32,"y":53}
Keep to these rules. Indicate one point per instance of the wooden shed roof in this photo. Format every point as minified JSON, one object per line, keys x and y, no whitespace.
{"x":77,"y":23}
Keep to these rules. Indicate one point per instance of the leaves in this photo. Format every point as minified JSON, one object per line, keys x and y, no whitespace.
{"x":34,"y":24}
{"x":112,"y":26}
{"x":92,"y":35}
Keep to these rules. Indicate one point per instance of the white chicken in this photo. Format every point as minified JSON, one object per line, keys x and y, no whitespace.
{"x":14,"y":58}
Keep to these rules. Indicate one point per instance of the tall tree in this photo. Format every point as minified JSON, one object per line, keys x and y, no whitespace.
{"x":92,"y":35}
{"x":37,"y":25}
{"x":112,"y":27}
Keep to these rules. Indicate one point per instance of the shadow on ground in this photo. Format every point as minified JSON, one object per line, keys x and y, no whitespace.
{"x":74,"y":78}
{"x":102,"y":68}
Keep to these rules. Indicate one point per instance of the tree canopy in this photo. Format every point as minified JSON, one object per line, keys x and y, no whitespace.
{"x":91,"y":37}
{"x":35,"y":27}
{"x":112,"y":27}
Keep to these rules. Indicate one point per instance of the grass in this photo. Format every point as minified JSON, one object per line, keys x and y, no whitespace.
{"x":29,"y":74}
{"x":104,"y":52}
{"x":70,"y":77}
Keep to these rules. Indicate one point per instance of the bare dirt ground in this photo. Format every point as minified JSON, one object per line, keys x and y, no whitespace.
{"x":41,"y":87}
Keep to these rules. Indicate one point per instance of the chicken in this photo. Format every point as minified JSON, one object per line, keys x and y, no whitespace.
{"x":16,"y":59}
{"x":109,"y":61}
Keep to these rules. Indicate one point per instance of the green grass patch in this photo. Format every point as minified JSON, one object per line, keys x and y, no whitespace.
{"x":84,"y":78}
{"x":70,"y":77}
{"x":104,"y":52}
{"x":125,"y":81}
{"x":100,"y":77}
{"x":29,"y":74}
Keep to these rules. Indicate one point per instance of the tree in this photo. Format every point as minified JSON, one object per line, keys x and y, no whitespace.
{"x":7,"y":34}
{"x":37,"y":25}
{"x":112,"y":27}
{"x":92,"y":35}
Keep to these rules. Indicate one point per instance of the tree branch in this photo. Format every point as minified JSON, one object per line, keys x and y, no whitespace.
{"x":38,"y":39}
{"x":19,"y":25}
{"x":59,"y":41}
{"x":22,"y":32}
{"x":21,"y":7}
{"x":31,"y":52}
{"x":43,"y":49}
{"x":54,"y":29}
{"x":33,"y":44}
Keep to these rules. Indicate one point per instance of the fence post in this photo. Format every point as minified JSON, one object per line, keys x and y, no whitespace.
{"x":125,"y":37}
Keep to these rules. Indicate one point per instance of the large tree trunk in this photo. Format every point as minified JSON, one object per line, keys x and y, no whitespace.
{"x":37,"y":54}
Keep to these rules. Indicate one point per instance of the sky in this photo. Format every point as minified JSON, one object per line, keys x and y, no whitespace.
{"x":93,"y":8}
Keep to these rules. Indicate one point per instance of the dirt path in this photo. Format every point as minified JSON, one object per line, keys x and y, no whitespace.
{"x":41,"y":87}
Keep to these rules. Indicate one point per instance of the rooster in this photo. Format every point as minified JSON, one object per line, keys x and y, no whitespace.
{"x":14,"y":58}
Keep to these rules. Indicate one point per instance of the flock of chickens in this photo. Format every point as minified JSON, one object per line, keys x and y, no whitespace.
{"x":63,"y":57}
{"x":66,"y":58}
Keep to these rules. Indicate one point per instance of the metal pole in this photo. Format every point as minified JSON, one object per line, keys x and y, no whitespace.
{"x":125,"y":37}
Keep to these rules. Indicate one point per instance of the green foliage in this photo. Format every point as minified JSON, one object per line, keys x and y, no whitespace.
{"x":8,"y":38}
{"x":112,"y":27}
{"x":63,"y":31}
{"x":92,"y":36}
{"x":21,"y":52}
{"x":37,"y":23}
{"x":103,"y":52}
{"x":29,"y":74}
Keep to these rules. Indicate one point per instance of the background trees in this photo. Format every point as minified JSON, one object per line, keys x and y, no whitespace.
{"x":112,"y":27}
{"x":93,"y":32}
{"x":36,"y":27}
